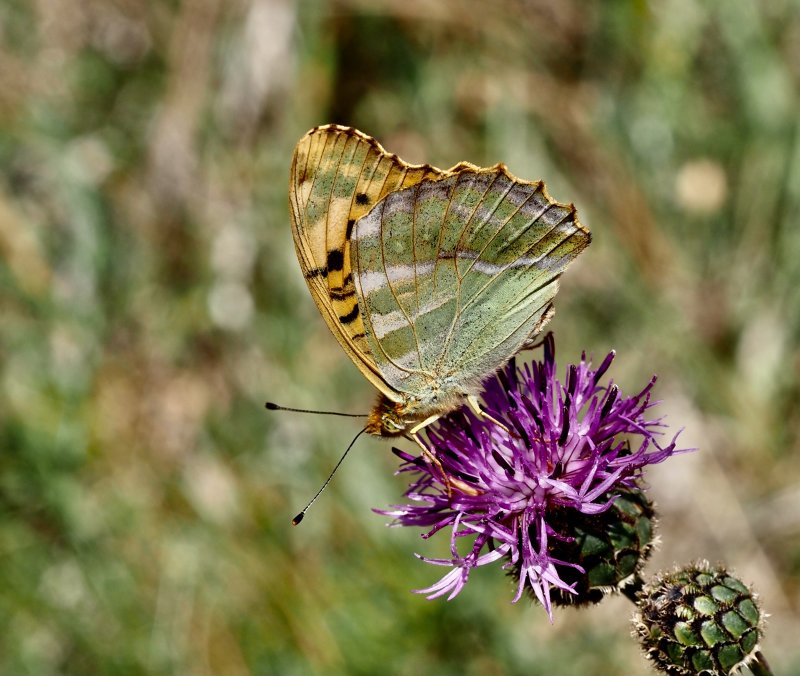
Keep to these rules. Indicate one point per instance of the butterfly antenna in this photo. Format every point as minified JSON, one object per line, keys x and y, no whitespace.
{"x":302,"y":513}
{"x":277,"y":407}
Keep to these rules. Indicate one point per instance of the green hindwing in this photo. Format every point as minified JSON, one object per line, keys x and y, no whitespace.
{"x":454,"y":275}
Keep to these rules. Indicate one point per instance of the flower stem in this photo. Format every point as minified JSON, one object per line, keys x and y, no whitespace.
{"x":632,"y":589}
{"x":759,"y":666}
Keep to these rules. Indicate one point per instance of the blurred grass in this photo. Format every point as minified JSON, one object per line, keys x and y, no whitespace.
{"x":151,"y":302}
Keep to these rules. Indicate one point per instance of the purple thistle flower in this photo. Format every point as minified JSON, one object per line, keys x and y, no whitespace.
{"x":570,"y":450}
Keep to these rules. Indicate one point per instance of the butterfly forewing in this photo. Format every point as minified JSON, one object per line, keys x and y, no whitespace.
{"x":338,"y":175}
{"x":454,"y":275}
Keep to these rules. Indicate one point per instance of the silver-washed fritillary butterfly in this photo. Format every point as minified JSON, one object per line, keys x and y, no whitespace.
{"x":430,"y":279}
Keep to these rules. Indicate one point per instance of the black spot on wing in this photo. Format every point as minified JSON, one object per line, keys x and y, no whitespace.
{"x":350,"y":223}
{"x":362,"y":199}
{"x":341,"y":293}
{"x":350,"y":316}
{"x":335,"y":259}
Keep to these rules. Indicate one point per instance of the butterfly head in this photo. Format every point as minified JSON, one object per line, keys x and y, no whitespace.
{"x":387,"y":419}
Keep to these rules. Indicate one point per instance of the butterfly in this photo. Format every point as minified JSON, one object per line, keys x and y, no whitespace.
{"x":430,"y":279}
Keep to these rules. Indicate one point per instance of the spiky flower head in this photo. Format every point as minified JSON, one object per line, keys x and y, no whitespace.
{"x":698,"y":620}
{"x":564,"y":449}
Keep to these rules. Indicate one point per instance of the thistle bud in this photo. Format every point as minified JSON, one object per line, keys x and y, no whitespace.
{"x":698,"y":620}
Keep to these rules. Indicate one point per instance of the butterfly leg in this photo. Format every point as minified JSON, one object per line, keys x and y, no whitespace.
{"x":449,"y":481}
{"x":475,"y":405}
{"x":431,"y":458}
{"x":429,"y":420}
{"x":429,"y":455}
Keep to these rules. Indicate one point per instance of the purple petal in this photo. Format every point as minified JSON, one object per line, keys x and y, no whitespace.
{"x":575,"y":447}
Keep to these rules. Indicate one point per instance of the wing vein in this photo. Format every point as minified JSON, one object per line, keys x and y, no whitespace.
{"x":458,"y":311}
{"x":533,"y":245}
{"x":531,"y":289}
{"x":366,"y":316}
{"x":389,"y":281}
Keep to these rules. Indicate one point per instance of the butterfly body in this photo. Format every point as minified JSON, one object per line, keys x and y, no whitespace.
{"x":393,"y":419}
{"x":430,"y":279}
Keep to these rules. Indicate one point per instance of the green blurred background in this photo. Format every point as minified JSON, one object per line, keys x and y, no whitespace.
{"x":151,"y":302}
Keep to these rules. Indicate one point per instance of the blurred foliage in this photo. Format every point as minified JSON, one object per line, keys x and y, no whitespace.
{"x":151,"y":302}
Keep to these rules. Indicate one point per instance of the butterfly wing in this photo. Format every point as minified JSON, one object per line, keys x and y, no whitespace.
{"x":338,"y":174}
{"x":455,"y":275}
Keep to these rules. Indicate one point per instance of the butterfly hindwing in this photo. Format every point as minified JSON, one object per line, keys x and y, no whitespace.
{"x":455,"y":274}
{"x":515,"y":247}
